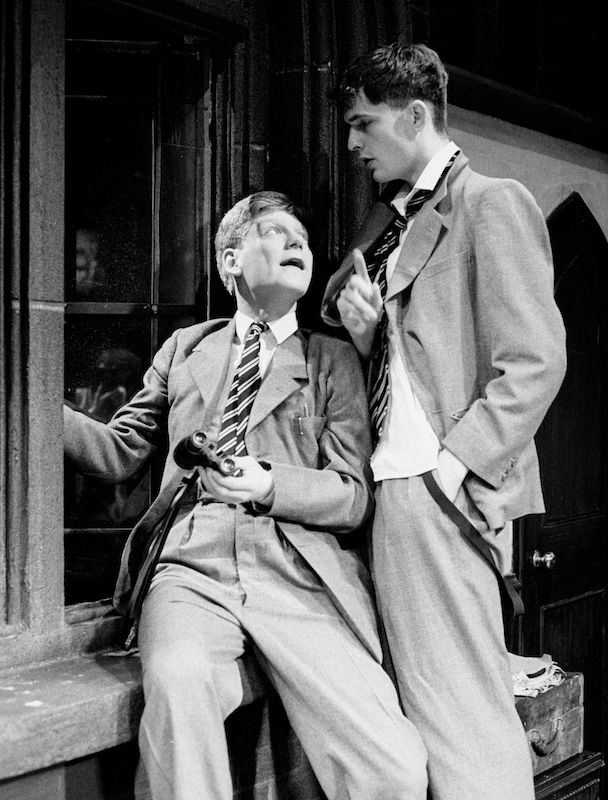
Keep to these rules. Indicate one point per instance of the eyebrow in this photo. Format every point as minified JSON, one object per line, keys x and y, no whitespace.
{"x":357,"y":117}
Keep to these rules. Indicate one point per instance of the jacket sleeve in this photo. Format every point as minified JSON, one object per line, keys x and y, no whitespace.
{"x":115,"y":450}
{"x":519,"y":329}
{"x":336,"y":496}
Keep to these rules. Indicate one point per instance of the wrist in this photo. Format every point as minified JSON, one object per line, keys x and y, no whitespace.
{"x":264,"y":495}
{"x":363,"y":343}
{"x":448,"y":462}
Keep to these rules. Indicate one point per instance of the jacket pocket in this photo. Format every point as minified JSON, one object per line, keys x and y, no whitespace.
{"x":308,"y":426}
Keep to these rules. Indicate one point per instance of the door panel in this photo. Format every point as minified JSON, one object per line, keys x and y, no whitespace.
{"x":566,"y":602}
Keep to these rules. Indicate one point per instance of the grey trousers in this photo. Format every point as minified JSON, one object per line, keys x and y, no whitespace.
{"x":230,"y":580}
{"x":440,"y":604}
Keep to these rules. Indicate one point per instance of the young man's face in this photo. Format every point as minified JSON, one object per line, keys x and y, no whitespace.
{"x":384,"y":138}
{"x":274,"y":262}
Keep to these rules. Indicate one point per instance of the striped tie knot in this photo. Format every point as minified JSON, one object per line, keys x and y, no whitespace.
{"x":244,"y":388}
{"x":255,"y":329}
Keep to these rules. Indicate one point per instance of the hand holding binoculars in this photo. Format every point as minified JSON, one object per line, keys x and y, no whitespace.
{"x":198,"y":450}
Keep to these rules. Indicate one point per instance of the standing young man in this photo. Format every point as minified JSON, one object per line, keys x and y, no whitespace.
{"x":256,"y":560}
{"x":447,"y":293}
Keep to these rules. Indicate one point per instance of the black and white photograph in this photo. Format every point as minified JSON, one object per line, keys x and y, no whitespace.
{"x":304,"y":400}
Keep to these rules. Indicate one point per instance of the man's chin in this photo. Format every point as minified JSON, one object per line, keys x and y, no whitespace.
{"x":282,"y":298}
{"x":379,"y":175}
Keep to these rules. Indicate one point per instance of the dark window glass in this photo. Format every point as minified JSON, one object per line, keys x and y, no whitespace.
{"x":134,"y":145}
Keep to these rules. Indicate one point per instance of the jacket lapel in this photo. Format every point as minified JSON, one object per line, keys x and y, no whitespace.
{"x":286,"y":375}
{"x":424,"y":234}
{"x":211,"y":366}
{"x":416,"y":251}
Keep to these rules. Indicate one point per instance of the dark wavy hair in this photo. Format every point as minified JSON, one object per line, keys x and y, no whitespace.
{"x":397,"y":74}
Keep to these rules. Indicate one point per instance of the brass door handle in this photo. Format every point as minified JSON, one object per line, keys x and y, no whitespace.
{"x":547,"y":560}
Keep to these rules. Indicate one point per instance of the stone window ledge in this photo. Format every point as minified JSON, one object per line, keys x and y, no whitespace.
{"x":55,"y":712}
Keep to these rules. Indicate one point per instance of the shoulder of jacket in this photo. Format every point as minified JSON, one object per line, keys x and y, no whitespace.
{"x":194,"y":333}
{"x":326,"y":343}
{"x":182,"y":341}
{"x":475,"y":183}
{"x":476,"y":190}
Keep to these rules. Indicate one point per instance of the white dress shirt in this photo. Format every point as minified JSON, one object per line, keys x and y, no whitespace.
{"x":278,"y":330}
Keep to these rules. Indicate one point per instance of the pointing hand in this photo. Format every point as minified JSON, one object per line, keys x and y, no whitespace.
{"x":360,"y":306}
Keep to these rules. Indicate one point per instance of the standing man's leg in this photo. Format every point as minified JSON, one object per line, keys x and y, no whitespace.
{"x":441,"y":608}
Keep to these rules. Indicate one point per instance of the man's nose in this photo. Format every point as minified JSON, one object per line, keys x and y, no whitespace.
{"x":353,"y":142}
{"x":295,"y":240}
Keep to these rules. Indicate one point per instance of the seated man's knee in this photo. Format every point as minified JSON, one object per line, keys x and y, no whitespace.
{"x":179,"y":669}
{"x":181,"y":675}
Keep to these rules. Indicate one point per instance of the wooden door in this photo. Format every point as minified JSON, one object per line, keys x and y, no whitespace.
{"x":565,"y":592}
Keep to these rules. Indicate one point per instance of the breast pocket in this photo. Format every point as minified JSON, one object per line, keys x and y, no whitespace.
{"x":305,"y":433}
{"x":308,"y":427}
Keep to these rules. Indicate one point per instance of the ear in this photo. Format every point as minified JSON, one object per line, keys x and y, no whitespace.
{"x":230,"y":261}
{"x":421,"y":114}
{"x":407,"y":123}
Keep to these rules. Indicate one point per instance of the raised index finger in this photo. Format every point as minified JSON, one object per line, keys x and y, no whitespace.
{"x":360,"y":265}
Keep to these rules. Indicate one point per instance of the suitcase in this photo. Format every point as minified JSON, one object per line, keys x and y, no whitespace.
{"x":553,"y":722}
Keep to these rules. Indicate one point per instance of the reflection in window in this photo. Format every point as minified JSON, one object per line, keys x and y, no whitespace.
{"x":89,"y":275}
{"x":133,"y":149}
{"x":117,"y":370}
{"x":105,"y":359}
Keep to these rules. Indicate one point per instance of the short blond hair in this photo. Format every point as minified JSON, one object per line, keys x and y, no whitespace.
{"x":237,"y":221}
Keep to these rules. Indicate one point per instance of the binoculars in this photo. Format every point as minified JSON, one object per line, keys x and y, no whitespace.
{"x":198,"y":450}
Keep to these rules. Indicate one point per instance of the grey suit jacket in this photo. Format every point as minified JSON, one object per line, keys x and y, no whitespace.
{"x":309,"y":421}
{"x":480,"y":334}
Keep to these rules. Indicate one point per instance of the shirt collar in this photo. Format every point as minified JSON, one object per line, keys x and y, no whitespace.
{"x":428,"y":177}
{"x":281,"y":328}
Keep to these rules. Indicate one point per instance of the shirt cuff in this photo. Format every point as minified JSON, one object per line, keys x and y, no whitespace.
{"x":454,"y":464}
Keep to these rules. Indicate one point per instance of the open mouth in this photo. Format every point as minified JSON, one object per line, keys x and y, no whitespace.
{"x":293,"y":262}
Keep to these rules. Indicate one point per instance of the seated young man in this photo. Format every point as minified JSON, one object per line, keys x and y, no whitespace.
{"x":257,"y":559}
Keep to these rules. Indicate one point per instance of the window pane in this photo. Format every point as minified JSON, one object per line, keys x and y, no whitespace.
{"x":108,"y":185}
{"x":169,"y":324}
{"x":92,"y":559}
{"x":105,"y":361}
{"x":134,"y":146}
{"x":182,"y":159}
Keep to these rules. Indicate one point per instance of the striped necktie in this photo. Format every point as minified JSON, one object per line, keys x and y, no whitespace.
{"x":376,"y":267}
{"x":245,"y":385}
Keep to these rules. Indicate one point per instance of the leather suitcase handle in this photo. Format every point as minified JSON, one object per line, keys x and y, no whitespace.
{"x":544,"y":747}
